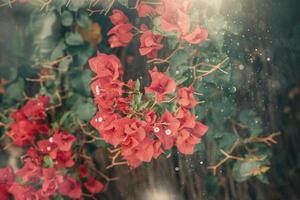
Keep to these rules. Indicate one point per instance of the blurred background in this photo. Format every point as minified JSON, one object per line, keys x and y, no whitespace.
{"x":267,"y":44}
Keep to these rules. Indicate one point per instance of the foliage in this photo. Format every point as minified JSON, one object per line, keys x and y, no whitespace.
{"x":50,"y":58}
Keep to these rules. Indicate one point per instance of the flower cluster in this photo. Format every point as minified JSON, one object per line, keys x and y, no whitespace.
{"x":173,"y":18}
{"x":120,"y":35}
{"x":141,"y":132}
{"x":173,"y":15}
{"x":130,"y":120}
{"x":48,"y":161}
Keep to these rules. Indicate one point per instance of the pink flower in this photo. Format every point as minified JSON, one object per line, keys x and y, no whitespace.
{"x":70,"y":188}
{"x":197,"y":36}
{"x":120,"y":35}
{"x":51,"y":181}
{"x":118,"y":17}
{"x":186,"y":97}
{"x":107,"y":67}
{"x":188,"y":138}
{"x":93,"y":185}
{"x":24,"y":192}
{"x":166,"y":129}
{"x":174,"y":16}
{"x":30,"y":171}
{"x":145,"y":10}
{"x":36,"y":108}
{"x":64,"y":140}
{"x":150,"y":44}
{"x":161,"y":85}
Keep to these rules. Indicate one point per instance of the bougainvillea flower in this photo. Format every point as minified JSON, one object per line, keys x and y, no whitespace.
{"x":157,"y":149}
{"x":145,"y":150}
{"x":186,"y":118}
{"x":70,"y":188}
{"x":64,"y":159}
{"x":18,"y":115}
{"x":118,"y":17}
{"x":186,"y":97}
{"x":197,"y":36}
{"x":166,"y":129}
{"x":102,"y":85}
{"x":150,"y":44}
{"x":135,"y":135}
{"x":161,"y":85}
{"x":7,"y":178}
{"x":106,"y":66}
{"x":145,"y":10}
{"x":4,"y":192}
{"x":123,"y":104}
{"x":174,"y":17}
{"x":83,"y":172}
{"x":120,"y":35}
{"x":36,"y":108}
{"x":51,"y":181}
{"x":30,"y":171}
{"x":48,"y":147}
{"x":24,"y":192}
{"x":100,"y":122}
{"x":22,"y":132}
{"x":114,"y":133}
{"x":94,"y":186}
{"x":188,"y":138}
{"x":35,"y":155}
{"x":63,"y":139}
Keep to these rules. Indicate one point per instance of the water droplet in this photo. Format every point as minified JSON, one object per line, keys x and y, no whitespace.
{"x":176,"y":168}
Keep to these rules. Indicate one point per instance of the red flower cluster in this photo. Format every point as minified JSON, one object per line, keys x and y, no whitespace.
{"x":120,"y":34}
{"x":150,"y":43}
{"x":48,"y":158}
{"x":28,"y":121}
{"x":142,"y":135}
{"x":174,"y":18}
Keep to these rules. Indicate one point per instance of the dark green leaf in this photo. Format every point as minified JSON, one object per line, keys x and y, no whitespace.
{"x":73,"y":38}
{"x":66,"y":18}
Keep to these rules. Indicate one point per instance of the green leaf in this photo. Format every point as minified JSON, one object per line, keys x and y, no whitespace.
{"x":245,"y":169}
{"x":73,"y":38}
{"x":124,"y":3}
{"x":67,"y":18}
{"x":75,"y":5}
{"x":226,"y":140}
{"x":80,"y":81}
{"x":252,"y":121}
{"x":263,"y":178}
{"x":48,"y":162}
{"x":14,"y":91}
{"x":8,"y":72}
{"x":64,"y":64}
{"x":83,"y":20}
{"x":100,"y":143}
{"x":84,"y":109}
{"x":58,"y":51}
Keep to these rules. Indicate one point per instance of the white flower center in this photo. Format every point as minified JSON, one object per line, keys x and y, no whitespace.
{"x":156,"y":129}
{"x":97,"y":90}
{"x":99,"y":119}
{"x":51,"y":140}
{"x":48,"y":148}
{"x":168,"y":132}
